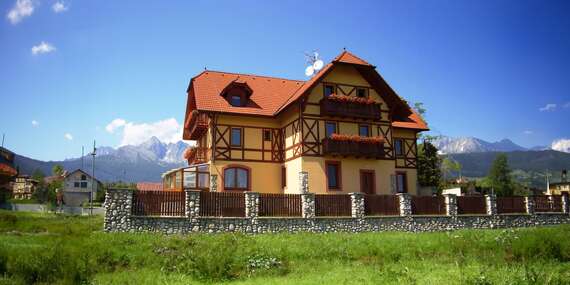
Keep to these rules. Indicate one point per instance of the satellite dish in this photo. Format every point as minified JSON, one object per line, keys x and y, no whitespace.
{"x":318,"y":65}
{"x":309,"y":71}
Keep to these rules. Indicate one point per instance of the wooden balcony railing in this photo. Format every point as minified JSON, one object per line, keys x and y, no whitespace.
{"x":198,"y":125}
{"x":350,"y":109}
{"x":198,"y":155}
{"x":353,"y":148}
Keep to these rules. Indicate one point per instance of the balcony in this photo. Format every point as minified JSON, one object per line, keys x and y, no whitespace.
{"x":198,"y":125}
{"x":345,"y":106}
{"x":196,"y":155}
{"x":353,"y":148}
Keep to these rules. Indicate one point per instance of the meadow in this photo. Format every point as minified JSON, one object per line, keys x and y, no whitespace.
{"x":58,"y":249}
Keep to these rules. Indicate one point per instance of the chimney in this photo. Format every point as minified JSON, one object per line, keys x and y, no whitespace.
{"x":564,"y":176}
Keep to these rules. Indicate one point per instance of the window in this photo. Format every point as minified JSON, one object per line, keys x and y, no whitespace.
{"x":76,"y":184}
{"x":83,"y":184}
{"x":235,"y":100}
{"x":330,"y":128}
{"x":361,"y":92}
{"x":401,"y":182}
{"x":333,"y":175}
{"x":329,"y":89}
{"x":83,"y":177}
{"x":398,"y":147}
{"x":283,"y":177}
{"x":197,"y":177}
{"x":236,"y":178}
{"x":235,"y":137}
{"x":266,"y":135}
{"x":364,"y":130}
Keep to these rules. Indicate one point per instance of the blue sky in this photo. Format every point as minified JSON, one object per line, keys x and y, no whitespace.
{"x":482,"y":68}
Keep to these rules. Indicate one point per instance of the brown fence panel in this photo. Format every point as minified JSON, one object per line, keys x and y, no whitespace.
{"x":548,"y":205}
{"x":514,"y":204}
{"x":471,"y":205}
{"x":428,"y":205}
{"x":387,"y":205}
{"x":333,"y":205}
{"x":279,"y":205}
{"x":222,"y":204}
{"x":158,"y":203}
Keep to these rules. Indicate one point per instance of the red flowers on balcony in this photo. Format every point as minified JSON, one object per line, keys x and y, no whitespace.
{"x":350,"y":106}
{"x":195,"y":155}
{"x":357,"y":138}
{"x":347,"y":145}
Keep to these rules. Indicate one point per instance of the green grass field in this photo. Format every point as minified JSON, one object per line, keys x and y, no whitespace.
{"x":50,"y":249}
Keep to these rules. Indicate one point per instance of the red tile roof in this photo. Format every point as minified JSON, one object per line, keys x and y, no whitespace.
{"x":149,"y":186}
{"x":271,"y":95}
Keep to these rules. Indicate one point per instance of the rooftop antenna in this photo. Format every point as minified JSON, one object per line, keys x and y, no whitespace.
{"x":315,"y":64}
{"x":92,"y":180}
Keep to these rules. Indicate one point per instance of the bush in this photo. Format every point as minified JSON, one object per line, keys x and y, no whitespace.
{"x":542,"y":244}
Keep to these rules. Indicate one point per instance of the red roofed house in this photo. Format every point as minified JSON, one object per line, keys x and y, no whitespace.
{"x":149,"y":186}
{"x":345,"y":127}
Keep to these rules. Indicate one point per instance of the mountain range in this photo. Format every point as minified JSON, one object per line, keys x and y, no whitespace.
{"x":447,"y":145}
{"x":129,"y":163}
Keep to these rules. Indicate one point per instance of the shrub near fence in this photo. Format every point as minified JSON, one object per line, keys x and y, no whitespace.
{"x":333,"y":205}
{"x":279,"y":205}
{"x":387,"y":205}
{"x":222,"y":204}
{"x":428,"y":205}
{"x":158,"y":203}
{"x":508,"y":205}
{"x":544,"y":204}
{"x":471,"y":205}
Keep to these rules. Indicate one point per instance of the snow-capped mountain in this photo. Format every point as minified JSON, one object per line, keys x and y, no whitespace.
{"x":152,"y":150}
{"x":472,"y":144}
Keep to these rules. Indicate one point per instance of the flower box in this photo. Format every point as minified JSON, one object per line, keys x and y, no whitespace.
{"x":350,"y":106}
{"x":360,"y":147}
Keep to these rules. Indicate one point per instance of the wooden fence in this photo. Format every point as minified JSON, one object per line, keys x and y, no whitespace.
{"x":335,"y":205}
{"x":158,"y":203}
{"x":548,"y":205}
{"x":428,"y":205}
{"x":471,"y":205}
{"x":279,"y":205}
{"x":222,"y":204}
{"x":514,"y":204}
{"x":384,"y":205}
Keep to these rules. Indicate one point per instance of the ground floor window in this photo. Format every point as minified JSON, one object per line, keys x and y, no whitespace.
{"x":236,"y":178}
{"x":197,"y":177}
{"x":333,"y":175}
{"x":401,"y":182}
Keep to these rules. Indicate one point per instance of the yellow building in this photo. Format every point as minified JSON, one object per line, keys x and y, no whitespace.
{"x":345,"y":127}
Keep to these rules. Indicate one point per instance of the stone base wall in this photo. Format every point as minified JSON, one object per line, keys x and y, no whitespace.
{"x":181,"y":225}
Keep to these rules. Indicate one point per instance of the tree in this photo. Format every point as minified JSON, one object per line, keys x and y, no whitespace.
{"x":449,"y":166}
{"x":500,"y":176}
{"x":429,"y":173}
{"x":57,"y":170}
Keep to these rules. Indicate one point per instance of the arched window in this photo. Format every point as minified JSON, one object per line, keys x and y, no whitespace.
{"x":237,"y":178}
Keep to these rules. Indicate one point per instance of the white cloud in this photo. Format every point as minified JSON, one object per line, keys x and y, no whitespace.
{"x":68,"y":136}
{"x":548,"y":107}
{"x":35,"y":123}
{"x":134,"y":133}
{"x":528,"y":132}
{"x":115,"y":124}
{"x":59,"y":7}
{"x":561,"y":145}
{"x":21,"y":9}
{"x":43,"y":47}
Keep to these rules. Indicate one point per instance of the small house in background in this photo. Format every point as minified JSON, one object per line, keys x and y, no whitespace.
{"x":23,"y":187}
{"x":561,"y":187}
{"x":78,"y":185}
{"x":149,"y":186}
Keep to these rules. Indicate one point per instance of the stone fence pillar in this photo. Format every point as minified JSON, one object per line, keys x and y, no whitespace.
{"x":304,"y":182}
{"x":118,"y":207}
{"x":529,"y":204}
{"x":491,"y":203}
{"x":450,"y":204}
{"x":565,"y":205}
{"x":213,"y":182}
{"x":251,"y":204}
{"x":308,"y":205}
{"x":357,"y":205}
{"x":192,"y":203}
{"x":405,"y":204}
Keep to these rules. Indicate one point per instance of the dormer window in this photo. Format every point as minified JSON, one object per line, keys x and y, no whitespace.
{"x":235,"y":100}
{"x":329,"y":90}
{"x":361,"y":92}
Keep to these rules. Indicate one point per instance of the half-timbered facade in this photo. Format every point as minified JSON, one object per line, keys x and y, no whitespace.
{"x":345,"y":127}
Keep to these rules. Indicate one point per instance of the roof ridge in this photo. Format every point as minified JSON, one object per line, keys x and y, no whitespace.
{"x":250,"y":74}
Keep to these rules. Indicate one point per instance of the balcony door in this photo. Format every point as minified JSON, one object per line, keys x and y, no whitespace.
{"x":367,"y":184}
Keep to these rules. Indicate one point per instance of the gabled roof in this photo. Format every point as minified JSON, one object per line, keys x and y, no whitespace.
{"x":79,"y":170}
{"x":272,"y":95}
